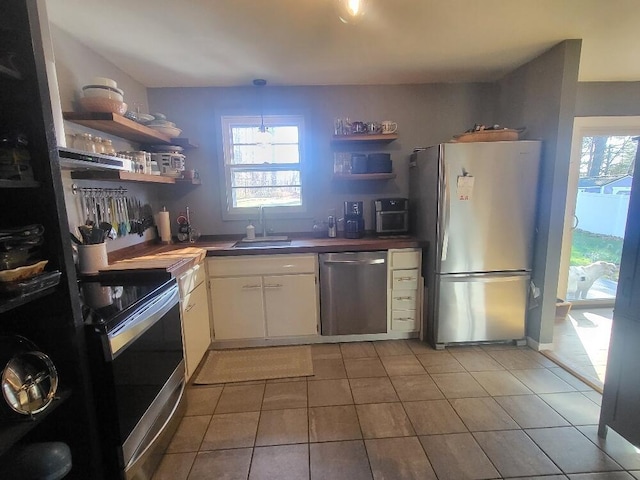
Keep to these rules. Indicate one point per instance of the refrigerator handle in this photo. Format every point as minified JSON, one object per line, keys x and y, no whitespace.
{"x":444,"y":214}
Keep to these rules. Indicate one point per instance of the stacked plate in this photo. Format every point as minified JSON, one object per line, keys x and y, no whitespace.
{"x":17,"y":247}
{"x":103,"y":95}
{"x":162,"y":125}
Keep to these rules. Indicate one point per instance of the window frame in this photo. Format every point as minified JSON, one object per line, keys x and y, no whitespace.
{"x":230,"y":120}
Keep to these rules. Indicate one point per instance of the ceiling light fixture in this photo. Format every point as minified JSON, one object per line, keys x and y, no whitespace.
{"x":263,"y":136}
{"x":351,"y":11}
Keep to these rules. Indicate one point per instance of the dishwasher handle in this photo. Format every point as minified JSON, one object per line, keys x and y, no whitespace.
{"x":377,"y":261}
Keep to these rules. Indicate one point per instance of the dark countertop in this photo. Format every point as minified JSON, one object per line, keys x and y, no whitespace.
{"x":177,"y":258}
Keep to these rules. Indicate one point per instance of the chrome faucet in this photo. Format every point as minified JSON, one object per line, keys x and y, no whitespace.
{"x":263,"y":222}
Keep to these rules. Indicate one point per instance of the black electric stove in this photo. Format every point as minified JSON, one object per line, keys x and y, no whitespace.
{"x":107,"y":302}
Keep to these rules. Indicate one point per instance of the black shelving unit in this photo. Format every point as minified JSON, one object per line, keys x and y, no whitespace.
{"x":50,"y":318}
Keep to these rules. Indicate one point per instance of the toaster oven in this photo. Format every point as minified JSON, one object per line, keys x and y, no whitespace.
{"x":391,"y":216}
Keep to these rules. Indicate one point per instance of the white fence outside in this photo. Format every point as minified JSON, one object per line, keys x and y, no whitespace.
{"x":602,"y":213}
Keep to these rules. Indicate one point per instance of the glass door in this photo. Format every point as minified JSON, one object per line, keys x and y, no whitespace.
{"x":602,"y":165}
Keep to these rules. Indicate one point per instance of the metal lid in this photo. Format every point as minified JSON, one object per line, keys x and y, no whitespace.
{"x":29,"y":382}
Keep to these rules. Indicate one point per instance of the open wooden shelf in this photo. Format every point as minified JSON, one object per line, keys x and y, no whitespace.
{"x":363,"y":176}
{"x":120,"y":176}
{"x":365,"y":138}
{"x":118,"y":126}
{"x":189,"y":181}
{"x":9,"y":303}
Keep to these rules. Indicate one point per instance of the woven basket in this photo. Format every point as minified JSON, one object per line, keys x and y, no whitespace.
{"x":488,"y":136}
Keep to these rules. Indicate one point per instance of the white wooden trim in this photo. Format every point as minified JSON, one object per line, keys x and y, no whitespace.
{"x":538,"y":346}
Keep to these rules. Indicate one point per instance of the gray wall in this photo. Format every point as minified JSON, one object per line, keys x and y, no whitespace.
{"x":597,"y":99}
{"x":426,"y":114}
{"x":541,"y":95}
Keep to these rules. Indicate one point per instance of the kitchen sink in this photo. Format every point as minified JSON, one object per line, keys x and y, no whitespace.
{"x":263,"y":242}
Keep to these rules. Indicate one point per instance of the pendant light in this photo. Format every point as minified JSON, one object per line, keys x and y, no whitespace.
{"x":264,"y":135}
{"x":351,"y":11}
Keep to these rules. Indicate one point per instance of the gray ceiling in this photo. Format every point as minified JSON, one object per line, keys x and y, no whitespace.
{"x":167,"y":43}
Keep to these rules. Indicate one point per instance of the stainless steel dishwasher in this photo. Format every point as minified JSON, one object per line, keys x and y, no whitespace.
{"x":353,"y":293}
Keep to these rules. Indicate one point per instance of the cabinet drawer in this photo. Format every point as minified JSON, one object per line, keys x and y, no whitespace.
{"x":405,"y":259}
{"x":403,"y":299}
{"x":403,"y":321}
{"x":404,"y":280}
{"x":262,"y":265}
{"x":191,"y":279}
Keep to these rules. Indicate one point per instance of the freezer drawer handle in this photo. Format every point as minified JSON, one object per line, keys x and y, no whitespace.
{"x":377,"y":261}
{"x":483,"y":277}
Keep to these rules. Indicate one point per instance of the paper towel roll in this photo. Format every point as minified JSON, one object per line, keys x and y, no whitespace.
{"x":164,"y":226}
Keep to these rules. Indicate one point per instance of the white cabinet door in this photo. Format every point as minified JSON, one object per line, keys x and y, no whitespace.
{"x":291,"y":305}
{"x":195,"y":327}
{"x":237,"y":307}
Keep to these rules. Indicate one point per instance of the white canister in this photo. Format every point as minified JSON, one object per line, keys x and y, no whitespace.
{"x":92,"y":258}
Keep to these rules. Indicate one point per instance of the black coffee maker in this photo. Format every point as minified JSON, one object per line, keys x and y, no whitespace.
{"x":353,"y":220}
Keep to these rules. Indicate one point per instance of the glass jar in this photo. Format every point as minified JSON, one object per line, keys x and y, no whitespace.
{"x":85,"y":142}
{"x":99,"y":146}
{"x":108,"y":147}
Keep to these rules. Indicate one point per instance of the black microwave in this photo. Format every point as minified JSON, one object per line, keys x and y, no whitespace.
{"x":391,"y":216}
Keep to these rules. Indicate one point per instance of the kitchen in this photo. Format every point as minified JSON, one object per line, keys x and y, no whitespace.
{"x":464,"y":104}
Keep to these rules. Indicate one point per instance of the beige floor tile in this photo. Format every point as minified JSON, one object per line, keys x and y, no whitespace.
{"x":285,"y":395}
{"x":383,"y":420}
{"x":281,"y":427}
{"x":202,"y":400}
{"x":323,"y":351}
{"x":392,"y":347}
{"x":571,"y":379}
{"x":458,"y":385}
{"x":402,"y":365}
{"x":339,"y":461}
{"x":574,"y":406}
{"x":517,"y":359}
{"x":231,"y":430}
{"x":324,"y":369}
{"x":222,"y":465}
{"x":398,"y":459}
{"x":540,"y":358}
{"x":416,"y":387}
{"x":545,"y":477}
{"x":572,"y":451}
{"x":440,"y":362}
{"x":417,"y":346}
{"x":373,"y":390}
{"x":595,"y":397}
{"x":432,"y":417}
{"x":482,"y":414}
{"x":174,"y":466}
{"x":478,"y":361}
{"x":541,"y":380}
{"x":531,"y":412}
{"x":514,"y":454}
{"x":364,"y":367}
{"x":289,"y":379}
{"x":358,"y":350}
{"x":189,"y":434}
{"x":323,"y":393}
{"x":501,"y":383}
{"x":635,"y":474}
{"x":240,"y":398}
{"x":602,"y":476}
{"x":457,"y":457}
{"x":327,"y":424}
{"x":615,"y":446}
{"x":287,"y":462}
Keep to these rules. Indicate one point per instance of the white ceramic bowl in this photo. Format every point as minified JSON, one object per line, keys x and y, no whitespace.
{"x":171,"y":132}
{"x":102,"y":93}
{"x":107,"y":82}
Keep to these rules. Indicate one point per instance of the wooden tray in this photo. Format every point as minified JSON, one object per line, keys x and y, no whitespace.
{"x":507,"y":134}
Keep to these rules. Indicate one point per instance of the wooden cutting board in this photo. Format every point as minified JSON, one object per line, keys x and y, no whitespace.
{"x":167,"y":261}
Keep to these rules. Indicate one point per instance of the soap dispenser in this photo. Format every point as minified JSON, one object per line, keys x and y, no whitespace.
{"x":251,"y":231}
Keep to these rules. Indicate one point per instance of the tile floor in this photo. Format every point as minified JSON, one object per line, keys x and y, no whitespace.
{"x":581,"y":342}
{"x":398,"y":410}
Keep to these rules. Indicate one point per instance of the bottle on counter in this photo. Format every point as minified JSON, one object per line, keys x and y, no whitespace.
{"x":331,"y":222}
{"x":251,"y":231}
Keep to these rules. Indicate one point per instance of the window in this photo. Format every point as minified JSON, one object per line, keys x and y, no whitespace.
{"x":262,"y":168}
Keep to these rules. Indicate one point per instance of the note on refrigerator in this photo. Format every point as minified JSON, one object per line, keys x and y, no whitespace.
{"x":465,"y":187}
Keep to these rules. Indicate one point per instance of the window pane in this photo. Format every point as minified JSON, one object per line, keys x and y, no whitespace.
{"x":244,"y":134}
{"x":285,"y":134}
{"x":279,"y":134}
{"x":268,"y":196}
{"x":265,"y":178}
{"x":257,"y":154}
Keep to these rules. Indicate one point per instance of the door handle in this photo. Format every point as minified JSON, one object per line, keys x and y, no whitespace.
{"x":377,"y":261}
{"x":189,"y":307}
{"x":576,"y":222}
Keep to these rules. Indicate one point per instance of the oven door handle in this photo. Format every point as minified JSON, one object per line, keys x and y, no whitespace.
{"x":141,"y":320}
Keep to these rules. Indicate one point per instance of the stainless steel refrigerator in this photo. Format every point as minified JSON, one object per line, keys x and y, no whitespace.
{"x":475,"y":203}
